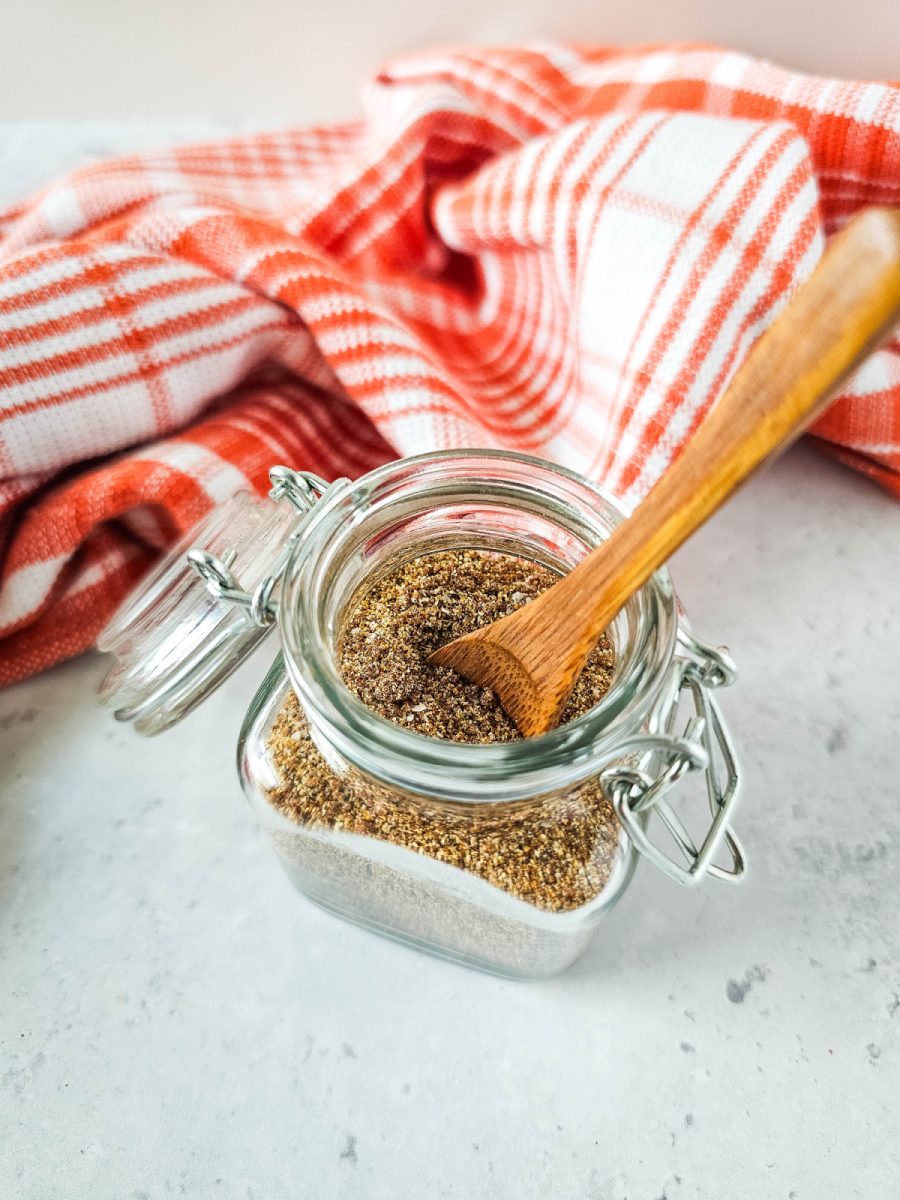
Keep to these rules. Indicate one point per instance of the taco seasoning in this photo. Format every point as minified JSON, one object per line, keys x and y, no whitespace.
{"x":556,"y":856}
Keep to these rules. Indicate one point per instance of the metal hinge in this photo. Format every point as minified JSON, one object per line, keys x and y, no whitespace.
{"x":638,"y":791}
{"x":301,"y":490}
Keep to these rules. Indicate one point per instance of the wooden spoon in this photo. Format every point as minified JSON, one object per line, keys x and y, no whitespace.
{"x":532,"y":658}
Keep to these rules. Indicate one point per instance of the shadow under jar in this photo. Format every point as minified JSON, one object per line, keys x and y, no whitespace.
{"x":504,"y":856}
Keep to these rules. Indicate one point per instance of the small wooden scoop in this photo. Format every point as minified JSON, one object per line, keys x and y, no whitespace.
{"x":532,"y":658}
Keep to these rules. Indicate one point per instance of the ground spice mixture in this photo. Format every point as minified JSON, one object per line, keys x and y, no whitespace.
{"x":557,"y":852}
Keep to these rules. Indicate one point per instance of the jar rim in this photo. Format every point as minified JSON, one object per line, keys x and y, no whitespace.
{"x":453,"y":770}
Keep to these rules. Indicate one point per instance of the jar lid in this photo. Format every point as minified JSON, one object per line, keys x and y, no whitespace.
{"x":205,"y":607}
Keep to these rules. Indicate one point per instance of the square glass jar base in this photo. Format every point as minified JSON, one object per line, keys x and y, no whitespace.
{"x":441,"y":910}
{"x":541,"y":964}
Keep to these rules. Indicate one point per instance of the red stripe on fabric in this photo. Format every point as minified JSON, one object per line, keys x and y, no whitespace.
{"x":91,"y":274}
{"x":59,"y":524}
{"x":695,"y":220}
{"x":676,"y":394}
{"x":887,"y":477}
{"x":719,"y":238}
{"x":96,"y":313}
{"x":71,"y":626}
{"x":779,"y":283}
{"x":133,"y":336}
{"x":145,"y":374}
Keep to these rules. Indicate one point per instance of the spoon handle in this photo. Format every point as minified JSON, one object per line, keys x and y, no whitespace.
{"x":832,"y":322}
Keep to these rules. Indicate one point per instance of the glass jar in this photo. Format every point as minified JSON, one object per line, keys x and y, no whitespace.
{"x":502,"y":856}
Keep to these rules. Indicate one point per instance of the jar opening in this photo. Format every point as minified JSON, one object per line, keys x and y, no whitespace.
{"x":479,"y":500}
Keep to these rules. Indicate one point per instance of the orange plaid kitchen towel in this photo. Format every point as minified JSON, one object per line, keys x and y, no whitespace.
{"x":561,"y":249}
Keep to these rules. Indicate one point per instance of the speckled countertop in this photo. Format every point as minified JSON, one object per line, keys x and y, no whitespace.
{"x":175,"y":1020}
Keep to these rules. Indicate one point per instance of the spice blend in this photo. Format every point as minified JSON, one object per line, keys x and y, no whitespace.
{"x":390,"y":632}
{"x":556,"y":852}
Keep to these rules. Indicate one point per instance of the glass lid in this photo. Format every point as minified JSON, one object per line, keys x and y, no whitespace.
{"x":205,"y":607}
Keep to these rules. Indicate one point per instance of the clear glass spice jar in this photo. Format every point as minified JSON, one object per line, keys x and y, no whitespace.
{"x":502,"y":856}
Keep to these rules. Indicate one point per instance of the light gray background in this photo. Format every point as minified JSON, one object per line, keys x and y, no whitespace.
{"x":290,"y":60}
{"x":176,"y":1021}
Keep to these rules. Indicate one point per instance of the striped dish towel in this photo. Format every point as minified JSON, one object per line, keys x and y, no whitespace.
{"x":563,"y":250}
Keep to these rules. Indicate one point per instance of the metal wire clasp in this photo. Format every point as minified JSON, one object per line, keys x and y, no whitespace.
{"x":301,"y":489}
{"x":639,"y":790}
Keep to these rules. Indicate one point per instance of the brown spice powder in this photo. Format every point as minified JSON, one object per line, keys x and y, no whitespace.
{"x":556,"y":852}
{"x":390,"y":632}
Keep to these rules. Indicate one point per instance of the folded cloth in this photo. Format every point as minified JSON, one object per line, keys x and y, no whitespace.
{"x":563,"y":250}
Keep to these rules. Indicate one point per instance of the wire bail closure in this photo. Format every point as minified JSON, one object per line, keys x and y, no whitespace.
{"x":301,"y":489}
{"x":640,"y":788}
